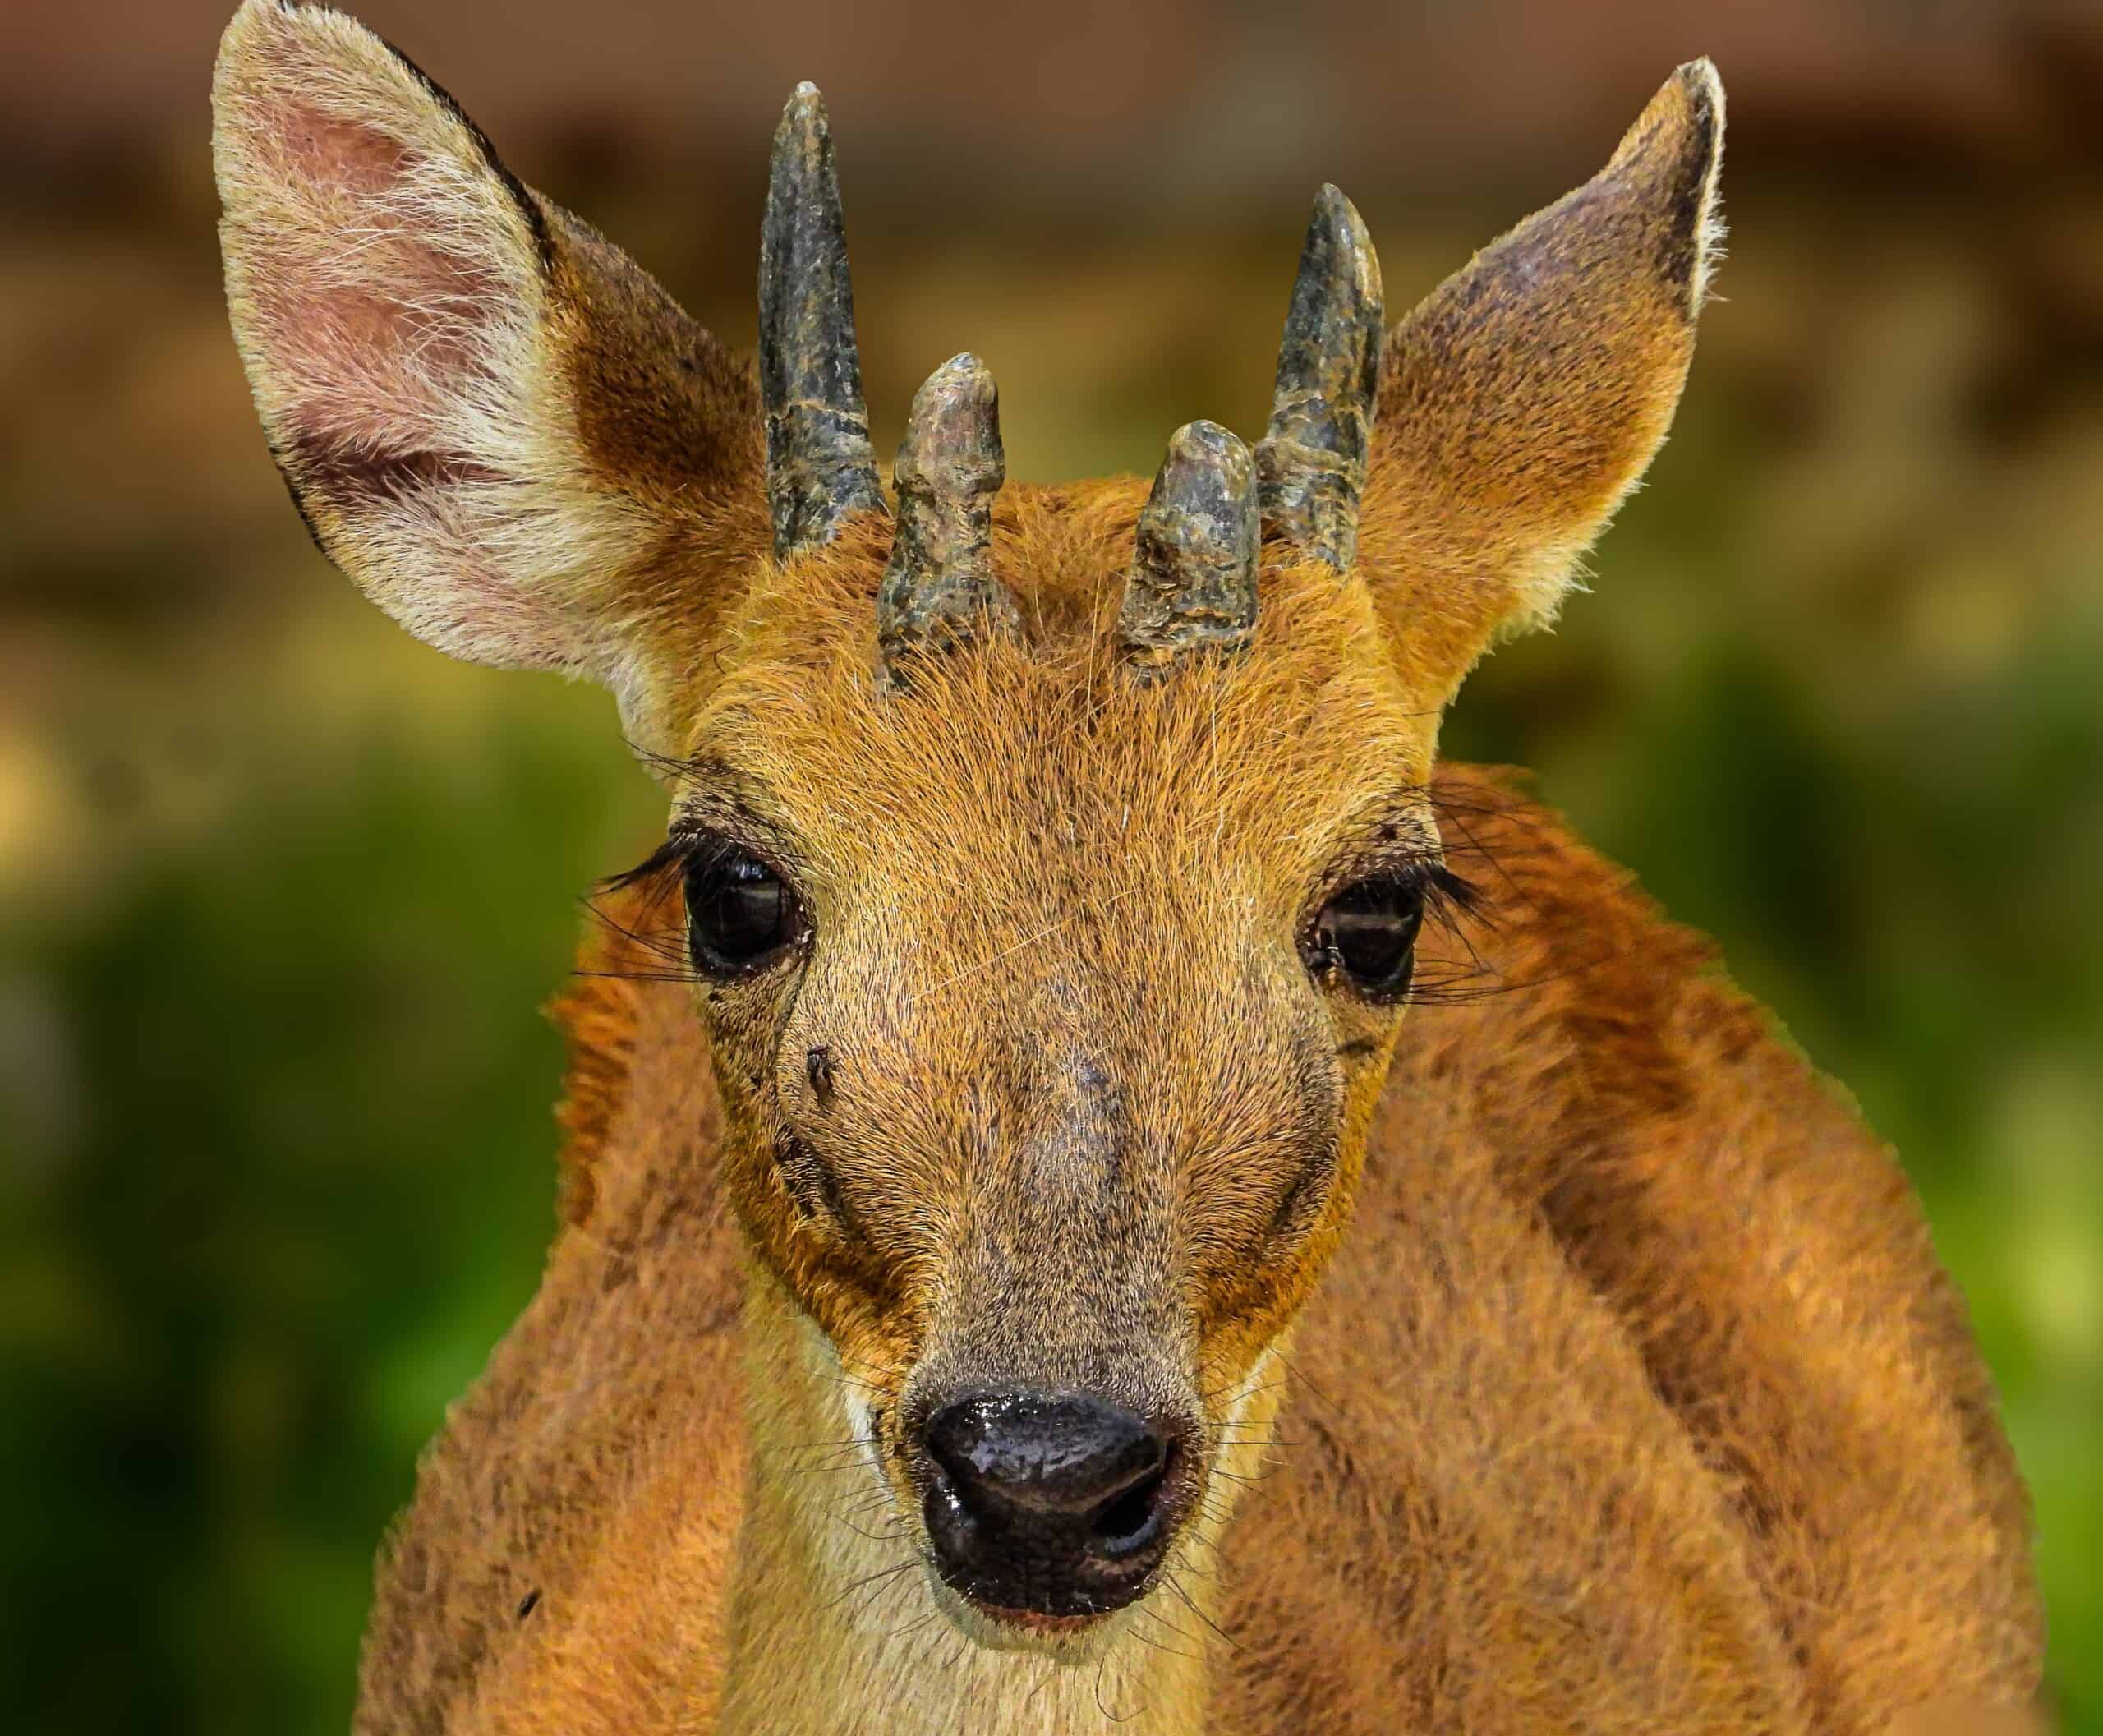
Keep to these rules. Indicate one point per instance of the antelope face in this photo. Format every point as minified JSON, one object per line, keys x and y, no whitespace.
{"x":1050,"y":1002}
{"x":1050,"y":865}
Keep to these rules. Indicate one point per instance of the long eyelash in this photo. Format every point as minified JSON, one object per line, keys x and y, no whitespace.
{"x":1449,"y":898}
{"x":665,"y":954}
{"x":1455,"y":903}
{"x":673,"y":857}
{"x":673,"y":852}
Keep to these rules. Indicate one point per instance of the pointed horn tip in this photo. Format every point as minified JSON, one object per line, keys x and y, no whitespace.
{"x":804,"y":113}
{"x":1330,"y":200}
{"x":1348,"y":239}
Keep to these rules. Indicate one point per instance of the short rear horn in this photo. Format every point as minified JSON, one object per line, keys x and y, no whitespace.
{"x":938,"y":587}
{"x":1193,"y":583}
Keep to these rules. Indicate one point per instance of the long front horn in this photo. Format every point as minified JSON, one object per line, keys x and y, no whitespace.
{"x":939,"y":585}
{"x":1311,"y":463}
{"x":1193,"y":583}
{"x":821,"y":469}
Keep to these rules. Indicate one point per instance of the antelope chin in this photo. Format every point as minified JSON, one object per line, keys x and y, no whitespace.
{"x":1066,"y":1639}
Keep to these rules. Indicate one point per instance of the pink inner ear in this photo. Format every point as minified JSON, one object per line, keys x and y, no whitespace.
{"x":393,"y":305}
{"x":380,"y":288}
{"x":344,"y":155}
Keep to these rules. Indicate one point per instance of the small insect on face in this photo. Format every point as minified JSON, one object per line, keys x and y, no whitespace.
{"x":1049,"y":1003}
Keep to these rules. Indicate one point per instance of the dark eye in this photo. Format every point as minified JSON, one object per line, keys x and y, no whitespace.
{"x":1367,"y":930}
{"x":740,"y":912}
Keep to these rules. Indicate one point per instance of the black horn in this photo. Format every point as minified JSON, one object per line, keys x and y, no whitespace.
{"x":1193,"y":583}
{"x":939,"y":585}
{"x":1311,"y":463}
{"x":821,"y":469}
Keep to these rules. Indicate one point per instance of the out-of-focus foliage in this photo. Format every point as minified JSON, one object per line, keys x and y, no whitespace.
{"x":280,"y":892}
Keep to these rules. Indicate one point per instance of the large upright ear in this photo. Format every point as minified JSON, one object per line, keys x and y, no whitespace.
{"x":492,"y":421}
{"x":1523,"y":399}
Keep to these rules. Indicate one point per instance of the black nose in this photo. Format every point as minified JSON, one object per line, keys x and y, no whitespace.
{"x":1058,"y":1504}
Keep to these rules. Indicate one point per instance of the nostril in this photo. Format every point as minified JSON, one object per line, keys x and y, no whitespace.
{"x":1119,"y":1525}
{"x":951,"y":1464}
{"x":1128,"y":1522}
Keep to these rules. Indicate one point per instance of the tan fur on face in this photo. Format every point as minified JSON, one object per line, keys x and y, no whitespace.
{"x":1565,"y":1360}
{"x":1089,"y":1124}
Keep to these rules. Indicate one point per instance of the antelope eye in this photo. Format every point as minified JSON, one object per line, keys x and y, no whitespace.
{"x":1367,"y":930}
{"x":740,"y":912}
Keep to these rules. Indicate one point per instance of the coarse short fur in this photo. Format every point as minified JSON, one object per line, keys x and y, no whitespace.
{"x":1563,"y":1358}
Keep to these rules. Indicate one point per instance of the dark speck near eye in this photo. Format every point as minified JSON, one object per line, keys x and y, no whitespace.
{"x":527,"y":1604}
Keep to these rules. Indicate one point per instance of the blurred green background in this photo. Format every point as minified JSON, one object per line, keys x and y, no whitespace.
{"x":281,"y":891}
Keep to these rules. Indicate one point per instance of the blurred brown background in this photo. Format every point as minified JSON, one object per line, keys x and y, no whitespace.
{"x":280,"y":890}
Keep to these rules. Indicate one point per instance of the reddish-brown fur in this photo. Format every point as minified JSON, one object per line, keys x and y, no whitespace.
{"x":1636,"y":1388}
{"x":1565,"y":1358}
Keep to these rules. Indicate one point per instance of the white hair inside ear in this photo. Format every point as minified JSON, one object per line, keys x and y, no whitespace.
{"x":390,"y":292}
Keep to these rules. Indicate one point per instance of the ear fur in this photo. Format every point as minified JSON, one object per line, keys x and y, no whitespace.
{"x":1522,"y":399}
{"x":492,"y":421}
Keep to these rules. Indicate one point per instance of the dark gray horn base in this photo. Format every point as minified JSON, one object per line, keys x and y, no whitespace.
{"x":939,"y":589}
{"x":1311,"y":462}
{"x":820,"y":468}
{"x":1193,"y":583}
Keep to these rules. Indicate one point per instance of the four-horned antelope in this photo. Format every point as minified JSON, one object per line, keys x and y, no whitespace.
{"x":1024,"y":1266}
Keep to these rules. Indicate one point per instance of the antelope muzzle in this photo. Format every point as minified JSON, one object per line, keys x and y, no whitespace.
{"x":1056,"y":1506}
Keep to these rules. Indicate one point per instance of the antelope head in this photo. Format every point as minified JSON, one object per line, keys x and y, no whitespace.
{"x":1048,"y":864}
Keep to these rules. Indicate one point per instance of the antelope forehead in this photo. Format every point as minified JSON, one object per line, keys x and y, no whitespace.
{"x":1040,"y":803}
{"x":1308,"y":710}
